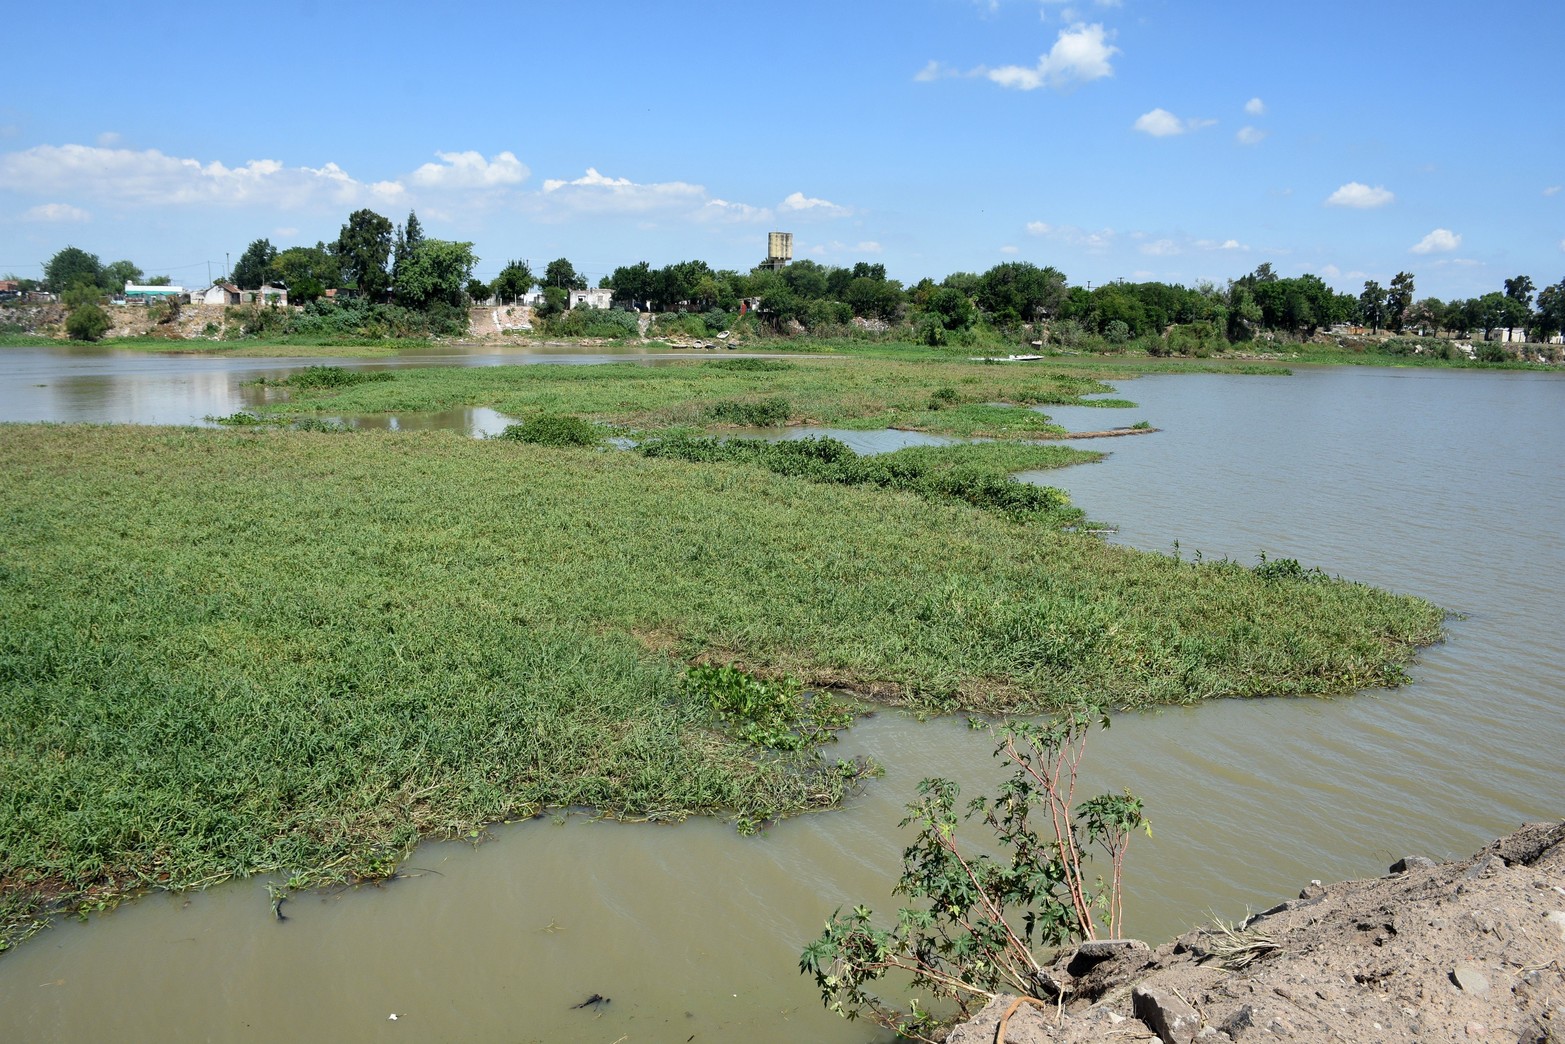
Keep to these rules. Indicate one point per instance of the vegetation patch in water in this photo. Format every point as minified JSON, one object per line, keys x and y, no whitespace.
{"x":974,"y":474}
{"x":861,"y":393}
{"x":234,"y":651}
{"x":554,"y":429}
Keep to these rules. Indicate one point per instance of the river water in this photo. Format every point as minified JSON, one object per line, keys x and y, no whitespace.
{"x":1445,"y":484}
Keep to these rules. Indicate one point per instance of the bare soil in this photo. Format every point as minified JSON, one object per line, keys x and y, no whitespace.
{"x":1465,"y":951}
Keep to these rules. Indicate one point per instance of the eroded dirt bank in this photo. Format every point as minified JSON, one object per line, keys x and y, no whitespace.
{"x":1463,"y":951}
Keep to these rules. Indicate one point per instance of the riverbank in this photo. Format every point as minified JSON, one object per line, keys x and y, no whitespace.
{"x":1467,"y":950}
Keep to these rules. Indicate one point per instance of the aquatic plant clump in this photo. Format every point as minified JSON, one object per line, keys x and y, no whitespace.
{"x":554,"y":429}
{"x":966,"y":474}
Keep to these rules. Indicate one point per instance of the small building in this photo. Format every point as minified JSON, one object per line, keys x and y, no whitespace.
{"x":219,"y":294}
{"x":145,"y":293}
{"x":595,"y":297}
{"x":267,"y":294}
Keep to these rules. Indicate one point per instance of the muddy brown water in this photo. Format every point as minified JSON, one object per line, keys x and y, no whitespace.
{"x":1445,"y":484}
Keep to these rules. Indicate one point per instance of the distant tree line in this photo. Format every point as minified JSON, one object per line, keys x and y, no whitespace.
{"x":385,"y":266}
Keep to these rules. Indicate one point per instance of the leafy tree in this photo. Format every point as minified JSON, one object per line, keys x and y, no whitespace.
{"x":781,"y":304}
{"x":362,"y":249}
{"x":478,"y":291}
{"x":70,"y":267}
{"x":805,"y":278}
{"x":633,"y":284}
{"x":1372,"y":305}
{"x":1244,"y":314}
{"x":875,"y":298}
{"x":116,"y":274}
{"x":562,"y":274}
{"x":1551,"y":311}
{"x":1428,"y":315}
{"x":1520,"y":290}
{"x":1398,"y":300}
{"x":513,"y":282}
{"x":966,"y":282}
{"x":1493,"y":311}
{"x":1020,"y":292}
{"x":951,"y":308}
{"x":254,"y":268}
{"x":408,"y":237}
{"x":436,"y":272}
{"x":555,"y":299}
{"x":86,"y":321}
{"x":158,"y":280}
{"x":307,"y":272}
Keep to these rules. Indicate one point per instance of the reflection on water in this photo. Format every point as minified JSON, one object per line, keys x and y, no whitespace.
{"x":1442,"y":484}
{"x":75,"y":384}
{"x":477,"y":421}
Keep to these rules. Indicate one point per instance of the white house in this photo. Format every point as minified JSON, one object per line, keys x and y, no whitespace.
{"x":217,"y":294}
{"x":597,"y":297}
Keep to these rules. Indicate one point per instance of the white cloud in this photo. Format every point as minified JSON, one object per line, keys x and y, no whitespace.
{"x":109,"y":139}
{"x":935,"y":71}
{"x":1552,"y":190}
{"x":1250,"y":135}
{"x":151,"y":178}
{"x":837,"y":248}
{"x":1070,"y":235}
{"x":1160,"y":123}
{"x":1227,"y":244}
{"x":469,"y":170}
{"x":1255,"y":107}
{"x":1360,"y":196}
{"x":1562,"y":244}
{"x":1080,"y":55}
{"x":1160,"y":248}
{"x":287,"y":232}
{"x":1440,"y":241}
{"x":798,"y":202}
{"x":596,"y":193}
{"x":722,"y":210}
{"x":56,"y":213}
{"x":1009,"y":249}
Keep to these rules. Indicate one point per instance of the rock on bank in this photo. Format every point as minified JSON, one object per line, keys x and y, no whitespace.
{"x":1466,"y":951}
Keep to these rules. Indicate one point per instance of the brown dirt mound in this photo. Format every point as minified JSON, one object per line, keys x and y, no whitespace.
{"x":1465,"y":951}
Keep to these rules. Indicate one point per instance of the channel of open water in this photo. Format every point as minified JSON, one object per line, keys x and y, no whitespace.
{"x":1445,"y":484}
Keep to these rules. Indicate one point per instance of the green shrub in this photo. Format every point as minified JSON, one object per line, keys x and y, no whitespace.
{"x":773,"y":714}
{"x":554,"y":429}
{"x":752,"y":365}
{"x":751,"y":413}
{"x":679,"y":324}
{"x":942,"y":398}
{"x":87,"y":323}
{"x":332,"y":377}
{"x":973,"y":919}
{"x":317,"y":424}
{"x":593,"y":322}
{"x":1283,"y":569}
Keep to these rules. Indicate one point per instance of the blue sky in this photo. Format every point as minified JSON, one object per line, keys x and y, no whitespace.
{"x":1137,"y":139}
